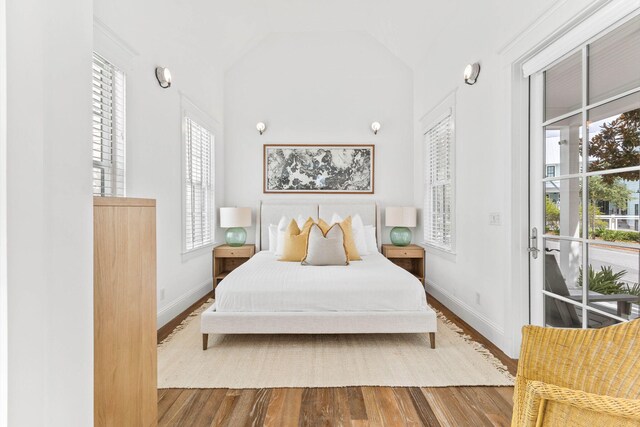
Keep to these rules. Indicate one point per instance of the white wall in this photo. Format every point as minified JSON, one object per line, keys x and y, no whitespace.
{"x":318,"y":87}
{"x":3,"y":219}
{"x":477,"y":282}
{"x":154,"y":136}
{"x":50,"y":274}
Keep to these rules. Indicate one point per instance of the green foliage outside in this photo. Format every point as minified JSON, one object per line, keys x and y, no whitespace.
{"x":616,"y":146}
{"x":607,"y":282}
{"x":616,"y":235}
{"x":613,"y":191}
{"x":552,"y":217}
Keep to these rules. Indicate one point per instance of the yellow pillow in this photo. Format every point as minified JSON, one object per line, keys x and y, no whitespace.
{"x":295,"y":241}
{"x":349,"y":242}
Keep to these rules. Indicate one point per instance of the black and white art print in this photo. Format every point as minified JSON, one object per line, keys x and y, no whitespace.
{"x":332,"y":168}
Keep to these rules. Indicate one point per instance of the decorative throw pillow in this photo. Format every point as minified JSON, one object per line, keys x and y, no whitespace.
{"x":349,"y":242}
{"x":326,"y":248}
{"x":295,"y":241}
{"x":282,"y":230}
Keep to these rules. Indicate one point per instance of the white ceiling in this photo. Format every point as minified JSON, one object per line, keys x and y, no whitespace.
{"x":224,"y":30}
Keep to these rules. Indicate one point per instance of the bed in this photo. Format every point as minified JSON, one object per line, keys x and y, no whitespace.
{"x":267,"y":296}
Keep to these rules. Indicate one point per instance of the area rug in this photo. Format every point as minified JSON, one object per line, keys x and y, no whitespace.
{"x":267,"y":361}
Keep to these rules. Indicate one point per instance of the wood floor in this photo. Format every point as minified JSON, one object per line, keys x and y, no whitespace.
{"x":349,"y":406}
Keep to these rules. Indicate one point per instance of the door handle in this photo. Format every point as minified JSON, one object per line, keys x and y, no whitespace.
{"x":533,"y":243}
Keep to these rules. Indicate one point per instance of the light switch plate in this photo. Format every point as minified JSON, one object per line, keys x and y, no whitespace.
{"x":494,"y":218}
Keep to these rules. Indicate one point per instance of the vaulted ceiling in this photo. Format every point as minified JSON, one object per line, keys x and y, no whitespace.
{"x":223,"y":30}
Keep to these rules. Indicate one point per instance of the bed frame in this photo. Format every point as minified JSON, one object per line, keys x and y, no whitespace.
{"x":270,"y":212}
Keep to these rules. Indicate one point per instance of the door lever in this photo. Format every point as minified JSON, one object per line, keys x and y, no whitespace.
{"x":533,"y":243}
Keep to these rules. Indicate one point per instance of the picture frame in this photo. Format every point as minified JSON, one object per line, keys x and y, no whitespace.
{"x":319,"y":168}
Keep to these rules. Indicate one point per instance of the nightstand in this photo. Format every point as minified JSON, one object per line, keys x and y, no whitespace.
{"x":410,"y":257}
{"x":227,"y":258}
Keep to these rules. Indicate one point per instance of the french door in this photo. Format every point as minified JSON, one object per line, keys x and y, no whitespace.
{"x":585,"y":184}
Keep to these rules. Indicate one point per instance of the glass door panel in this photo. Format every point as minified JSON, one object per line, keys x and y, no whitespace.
{"x":563,"y":207}
{"x":613,"y":207}
{"x":585,"y":184}
{"x":614,"y":62}
{"x":563,"y":87}
{"x":562,"y":146}
{"x":614,"y":134}
{"x":613,"y":280}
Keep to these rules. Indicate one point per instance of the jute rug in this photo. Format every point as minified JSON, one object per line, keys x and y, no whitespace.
{"x":257,"y":361}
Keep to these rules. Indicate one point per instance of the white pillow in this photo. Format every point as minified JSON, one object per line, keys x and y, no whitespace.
{"x":273,"y":237}
{"x":301,"y":221}
{"x":282,"y":227}
{"x":370,"y":237}
{"x":357,"y":226}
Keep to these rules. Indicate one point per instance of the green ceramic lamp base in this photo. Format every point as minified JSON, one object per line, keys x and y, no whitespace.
{"x":400,"y":236}
{"x":235,"y":236}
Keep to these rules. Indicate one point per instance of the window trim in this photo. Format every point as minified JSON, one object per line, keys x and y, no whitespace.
{"x":445,"y":108}
{"x":191,"y":110}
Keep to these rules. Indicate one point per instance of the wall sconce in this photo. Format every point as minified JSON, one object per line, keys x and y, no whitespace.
{"x":375,"y":127}
{"x":471,"y":73}
{"x":163,"y":75}
{"x":261,"y":127}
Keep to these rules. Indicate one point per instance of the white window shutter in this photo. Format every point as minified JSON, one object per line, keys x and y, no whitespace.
{"x":199,"y":190}
{"x":108,"y":102}
{"x":438,"y":186}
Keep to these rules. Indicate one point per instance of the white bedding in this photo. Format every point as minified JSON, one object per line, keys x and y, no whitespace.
{"x":264,"y":284}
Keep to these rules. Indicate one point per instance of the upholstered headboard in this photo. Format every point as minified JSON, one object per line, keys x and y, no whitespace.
{"x":270,"y":212}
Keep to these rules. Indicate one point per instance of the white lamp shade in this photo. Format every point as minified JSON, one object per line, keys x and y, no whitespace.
{"x":400,"y":217}
{"x":235,"y":217}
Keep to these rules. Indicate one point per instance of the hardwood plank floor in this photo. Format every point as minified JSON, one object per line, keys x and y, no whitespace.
{"x":348,"y":406}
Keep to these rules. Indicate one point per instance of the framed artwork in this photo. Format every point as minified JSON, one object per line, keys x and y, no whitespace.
{"x":325,"y":168}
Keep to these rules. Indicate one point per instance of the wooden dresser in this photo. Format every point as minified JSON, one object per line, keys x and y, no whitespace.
{"x":124,"y":280}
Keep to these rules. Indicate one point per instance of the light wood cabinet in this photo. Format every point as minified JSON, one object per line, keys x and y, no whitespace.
{"x":125,"y":367}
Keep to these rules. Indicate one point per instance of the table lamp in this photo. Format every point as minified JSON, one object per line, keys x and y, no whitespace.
{"x":400,"y":219}
{"x":234,"y":219}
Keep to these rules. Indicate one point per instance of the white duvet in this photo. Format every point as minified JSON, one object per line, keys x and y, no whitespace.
{"x":264,"y":284}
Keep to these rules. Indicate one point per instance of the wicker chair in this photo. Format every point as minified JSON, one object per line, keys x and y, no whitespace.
{"x":578,"y":377}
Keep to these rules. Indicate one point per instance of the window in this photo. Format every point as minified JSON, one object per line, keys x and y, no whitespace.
{"x":439,"y":184}
{"x":198,"y":190}
{"x":551,"y":171}
{"x":108,"y":128}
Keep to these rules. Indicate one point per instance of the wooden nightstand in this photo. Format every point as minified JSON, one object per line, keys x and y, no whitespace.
{"x":410,"y":257}
{"x":226,"y":258}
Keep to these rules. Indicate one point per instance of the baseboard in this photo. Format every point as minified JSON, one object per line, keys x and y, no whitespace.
{"x":180,"y":304}
{"x":477,"y":321}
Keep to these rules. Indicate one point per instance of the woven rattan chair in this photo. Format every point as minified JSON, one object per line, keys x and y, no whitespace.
{"x":579,"y":377}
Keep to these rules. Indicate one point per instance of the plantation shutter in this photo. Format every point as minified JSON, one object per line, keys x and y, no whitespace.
{"x":438,"y":196}
{"x":199,"y":215}
{"x":108,"y":128}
